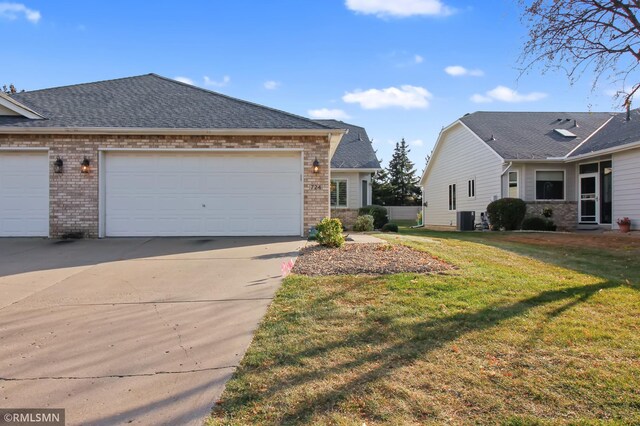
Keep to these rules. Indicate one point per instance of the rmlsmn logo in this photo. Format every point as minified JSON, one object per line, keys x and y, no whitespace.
{"x":32,"y":416}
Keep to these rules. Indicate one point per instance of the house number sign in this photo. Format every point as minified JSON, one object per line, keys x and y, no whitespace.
{"x":315,"y":187}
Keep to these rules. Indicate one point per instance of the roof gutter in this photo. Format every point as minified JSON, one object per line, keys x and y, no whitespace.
{"x":330,"y":133}
{"x":507,"y":169}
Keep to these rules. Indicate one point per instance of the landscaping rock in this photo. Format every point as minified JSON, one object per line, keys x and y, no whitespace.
{"x":370,"y":259}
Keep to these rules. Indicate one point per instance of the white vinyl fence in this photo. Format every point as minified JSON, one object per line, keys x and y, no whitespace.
{"x":403,"y":212}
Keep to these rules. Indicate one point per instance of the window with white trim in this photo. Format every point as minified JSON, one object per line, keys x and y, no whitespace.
{"x":513,"y":185}
{"x":471,"y":188}
{"x":452,"y":196}
{"x":338,"y":193}
{"x":549,"y":185}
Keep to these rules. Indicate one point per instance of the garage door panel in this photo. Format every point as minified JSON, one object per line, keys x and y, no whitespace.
{"x":175,"y":194}
{"x":24,"y":194}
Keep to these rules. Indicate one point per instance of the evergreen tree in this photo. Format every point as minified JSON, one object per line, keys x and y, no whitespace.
{"x":402,"y":177}
{"x":381,"y":189}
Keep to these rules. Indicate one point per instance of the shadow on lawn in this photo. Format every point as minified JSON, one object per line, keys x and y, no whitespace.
{"x":613,"y":263}
{"x":417,"y":341}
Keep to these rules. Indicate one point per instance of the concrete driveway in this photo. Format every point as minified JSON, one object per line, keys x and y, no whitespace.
{"x":136,"y":331}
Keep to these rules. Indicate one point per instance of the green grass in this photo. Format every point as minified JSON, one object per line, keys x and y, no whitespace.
{"x":524,"y":332}
{"x":405,"y":223}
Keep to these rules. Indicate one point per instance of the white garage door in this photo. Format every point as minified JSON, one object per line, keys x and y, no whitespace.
{"x":202,"y":194}
{"x":24,"y":194}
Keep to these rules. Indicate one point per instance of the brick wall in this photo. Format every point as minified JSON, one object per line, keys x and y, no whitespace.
{"x":74,"y":196}
{"x":565,"y":213}
{"x":347,"y":216}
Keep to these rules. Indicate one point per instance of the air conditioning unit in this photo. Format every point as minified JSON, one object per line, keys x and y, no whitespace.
{"x":466,"y":221}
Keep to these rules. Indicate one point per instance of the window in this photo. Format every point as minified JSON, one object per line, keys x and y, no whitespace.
{"x":365,"y":193}
{"x":452,"y":197}
{"x":549,"y":185}
{"x":471,"y":188}
{"x":339,"y":193}
{"x":513,"y":185}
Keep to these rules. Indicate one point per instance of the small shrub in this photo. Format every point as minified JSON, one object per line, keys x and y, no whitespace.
{"x":363,"y":223}
{"x":534,"y":224}
{"x":379,"y":214}
{"x":330,"y":233}
{"x":507,"y":213}
{"x":538,"y":224}
{"x":389,"y":227}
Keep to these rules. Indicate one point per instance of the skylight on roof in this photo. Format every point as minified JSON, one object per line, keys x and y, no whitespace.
{"x":565,"y":133}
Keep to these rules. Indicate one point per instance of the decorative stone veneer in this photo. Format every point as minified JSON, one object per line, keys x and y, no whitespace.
{"x":347,"y":216}
{"x":73,"y":205}
{"x":565,"y":213}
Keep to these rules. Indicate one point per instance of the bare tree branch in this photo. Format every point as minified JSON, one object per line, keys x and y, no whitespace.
{"x":584,"y":35}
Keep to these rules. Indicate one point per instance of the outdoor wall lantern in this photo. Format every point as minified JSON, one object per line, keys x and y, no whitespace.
{"x":84,"y":166}
{"x":316,"y":166}
{"x":57,"y":165}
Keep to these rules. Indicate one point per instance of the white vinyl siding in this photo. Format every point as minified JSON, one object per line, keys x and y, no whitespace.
{"x":460,"y":154}
{"x":626,"y":187}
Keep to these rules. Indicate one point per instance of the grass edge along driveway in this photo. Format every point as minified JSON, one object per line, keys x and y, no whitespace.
{"x":529,"y":330}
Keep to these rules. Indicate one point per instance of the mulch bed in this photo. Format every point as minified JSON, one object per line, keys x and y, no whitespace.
{"x":370,"y":259}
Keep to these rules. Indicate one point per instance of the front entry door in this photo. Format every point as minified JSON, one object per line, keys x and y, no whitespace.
{"x":589,"y":198}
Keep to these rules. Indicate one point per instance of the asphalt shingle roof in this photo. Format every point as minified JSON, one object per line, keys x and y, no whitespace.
{"x":355,"y":150}
{"x":531,"y":135}
{"x":616,"y":133}
{"x":148,"y":101}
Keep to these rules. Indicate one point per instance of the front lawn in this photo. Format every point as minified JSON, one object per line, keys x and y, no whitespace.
{"x":530,"y":329}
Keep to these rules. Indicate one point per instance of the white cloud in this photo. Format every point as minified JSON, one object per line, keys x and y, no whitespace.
{"x":418,"y":59}
{"x":326,"y":114}
{"x":209,"y":82}
{"x":481,"y":99}
{"x":271,"y":85}
{"x":417,"y":142}
{"x":13,"y":10}
{"x":186,"y":80}
{"x":458,"y":71}
{"x":406,"y":96}
{"x":399,"y":8}
{"x":505,"y":94}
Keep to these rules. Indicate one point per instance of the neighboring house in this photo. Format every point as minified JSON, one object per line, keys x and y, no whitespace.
{"x":583,"y":166}
{"x":352,"y":166}
{"x":150,"y":156}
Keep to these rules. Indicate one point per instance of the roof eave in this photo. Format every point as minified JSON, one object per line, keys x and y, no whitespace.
{"x":19,"y":108}
{"x":331,"y":133}
{"x":356,"y":169}
{"x":611,"y":150}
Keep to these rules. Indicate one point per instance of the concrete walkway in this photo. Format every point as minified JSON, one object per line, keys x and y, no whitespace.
{"x":360,"y":238}
{"x":136,"y":331}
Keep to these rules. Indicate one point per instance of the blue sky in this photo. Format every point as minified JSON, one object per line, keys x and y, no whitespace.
{"x":400,"y":68}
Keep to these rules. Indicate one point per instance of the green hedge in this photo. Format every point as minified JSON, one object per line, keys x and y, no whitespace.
{"x":538,"y":224}
{"x":507,"y":213}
